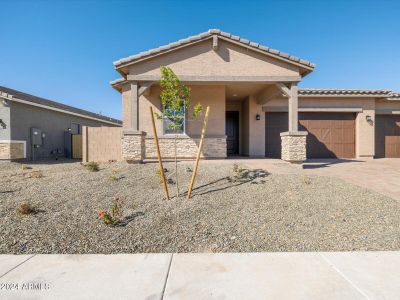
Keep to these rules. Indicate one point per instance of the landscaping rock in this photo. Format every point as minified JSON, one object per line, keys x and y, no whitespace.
{"x":259,"y":212}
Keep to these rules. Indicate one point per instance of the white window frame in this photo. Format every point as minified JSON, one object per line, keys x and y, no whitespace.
{"x":172,"y":133}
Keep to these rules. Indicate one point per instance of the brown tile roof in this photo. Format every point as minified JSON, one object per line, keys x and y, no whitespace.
{"x":344,"y":92}
{"x":394,"y":96}
{"x":123,"y":61}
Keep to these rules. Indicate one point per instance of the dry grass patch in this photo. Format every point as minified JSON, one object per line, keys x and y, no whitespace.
{"x":92,"y":166}
{"x":26,"y":208}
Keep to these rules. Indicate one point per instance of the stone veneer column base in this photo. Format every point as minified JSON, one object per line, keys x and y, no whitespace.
{"x":294,"y":146}
{"x":133,"y":146}
{"x":12,"y":150}
{"x":187,"y":147}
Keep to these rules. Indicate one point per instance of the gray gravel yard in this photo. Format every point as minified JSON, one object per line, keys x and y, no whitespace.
{"x":261,"y":212}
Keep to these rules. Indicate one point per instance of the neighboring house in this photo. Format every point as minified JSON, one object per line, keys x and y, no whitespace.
{"x":256,"y":106}
{"x":33,"y":127}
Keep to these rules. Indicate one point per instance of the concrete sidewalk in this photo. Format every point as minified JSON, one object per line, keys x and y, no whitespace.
{"x":344,"y":275}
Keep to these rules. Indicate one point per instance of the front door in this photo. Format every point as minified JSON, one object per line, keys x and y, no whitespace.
{"x":232,"y":132}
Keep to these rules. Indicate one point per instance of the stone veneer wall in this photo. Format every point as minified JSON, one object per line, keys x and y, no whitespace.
{"x":294,"y":146}
{"x":12,"y":150}
{"x":214,"y":147}
{"x":133,"y":146}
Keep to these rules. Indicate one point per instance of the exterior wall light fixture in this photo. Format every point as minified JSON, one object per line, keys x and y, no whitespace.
{"x":369,"y":119}
{"x":258,"y":117}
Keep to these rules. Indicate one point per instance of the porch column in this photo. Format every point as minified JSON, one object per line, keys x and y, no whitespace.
{"x":133,"y":140}
{"x":134,"y":106}
{"x":293,"y":141}
{"x":293,"y":108}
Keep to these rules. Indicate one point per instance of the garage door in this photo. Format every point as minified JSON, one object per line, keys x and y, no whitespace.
{"x":330,"y":135}
{"x":387,"y":136}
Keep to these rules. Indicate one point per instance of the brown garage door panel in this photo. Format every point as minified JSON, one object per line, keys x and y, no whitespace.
{"x":387,"y":136}
{"x":392,"y":146}
{"x":330,"y":135}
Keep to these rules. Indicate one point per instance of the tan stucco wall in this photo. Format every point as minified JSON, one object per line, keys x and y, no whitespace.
{"x":253,"y":130}
{"x":101,"y":144}
{"x":229,"y":60}
{"x":387,"y":106}
{"x":256,"y":128}
{"x":126,"y":106}
{"x":365,"y":132}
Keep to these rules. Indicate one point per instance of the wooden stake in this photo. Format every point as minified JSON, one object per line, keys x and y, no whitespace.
{"x":159,"y":154}
{"x":203,"y":132}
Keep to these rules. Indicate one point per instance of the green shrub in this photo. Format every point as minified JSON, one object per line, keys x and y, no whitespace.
{"x":238,"y":171}
{"x":306,"y":180}
{"x":114,"y":176}
{"x":115,"y":216}
{"x":92,"y":166}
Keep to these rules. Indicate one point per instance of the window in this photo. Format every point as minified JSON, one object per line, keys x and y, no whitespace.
{"x":179,"y":117}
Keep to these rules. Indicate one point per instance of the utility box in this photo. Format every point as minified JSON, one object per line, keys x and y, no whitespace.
{"x":36,"y":136}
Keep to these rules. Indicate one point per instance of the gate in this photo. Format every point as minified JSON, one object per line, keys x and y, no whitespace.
{"x":77,"y":146}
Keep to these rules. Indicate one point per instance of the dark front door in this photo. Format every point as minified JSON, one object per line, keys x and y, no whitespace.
{"x":232,"y":132}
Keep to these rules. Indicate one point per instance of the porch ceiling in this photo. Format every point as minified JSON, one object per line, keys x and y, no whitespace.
{"x":240,"y":91}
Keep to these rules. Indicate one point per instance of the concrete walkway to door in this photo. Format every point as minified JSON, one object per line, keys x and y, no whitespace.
{"x":379,"y":175}
{"x":324,"y":275}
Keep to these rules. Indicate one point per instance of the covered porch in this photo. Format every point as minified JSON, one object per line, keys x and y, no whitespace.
{"x":237,"y":122}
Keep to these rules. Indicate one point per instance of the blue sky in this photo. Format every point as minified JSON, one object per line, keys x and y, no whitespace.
{"x":63,"y":50}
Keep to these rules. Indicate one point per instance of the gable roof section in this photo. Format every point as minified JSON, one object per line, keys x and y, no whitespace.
{"x":209,"y":34}
{"x":14,"y":95}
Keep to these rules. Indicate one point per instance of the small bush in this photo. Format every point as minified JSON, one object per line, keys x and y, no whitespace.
{"x":239,"y":172}
{"x":92,"y":166}
{"x":114,"y":176}
{"x":26,"y":209}
{"x":306,"y":180}
{"x":115,"y":216}
{"x":158,"y":172}
{"x":169,"y":179}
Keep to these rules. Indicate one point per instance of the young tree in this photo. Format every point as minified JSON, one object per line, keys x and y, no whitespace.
{"x":175,"y":100}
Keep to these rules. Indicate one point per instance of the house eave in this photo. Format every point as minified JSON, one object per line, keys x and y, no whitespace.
{"x":14,"y":99}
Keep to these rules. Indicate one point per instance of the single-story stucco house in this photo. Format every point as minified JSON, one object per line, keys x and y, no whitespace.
{"x":257,"y":109}
{"x":36,"y":128}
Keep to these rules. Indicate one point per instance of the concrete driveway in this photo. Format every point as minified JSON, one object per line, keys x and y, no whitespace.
{"x":325,"y":275}
{"x":380,"y":175}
